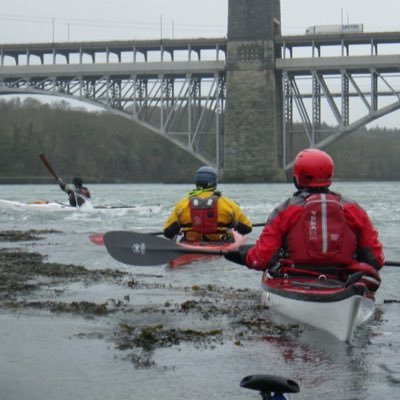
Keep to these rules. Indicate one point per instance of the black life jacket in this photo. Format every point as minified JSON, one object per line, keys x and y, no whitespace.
{"x":75,"y":199}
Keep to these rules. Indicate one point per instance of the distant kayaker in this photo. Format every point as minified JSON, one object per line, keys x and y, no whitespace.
{"x":316,"y":227}
{"x":77,"y":193}
{"x":204,"y":214}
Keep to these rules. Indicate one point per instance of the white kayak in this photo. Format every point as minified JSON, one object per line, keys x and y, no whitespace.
{"x":328,"y":305}
{"x":43,"y":205}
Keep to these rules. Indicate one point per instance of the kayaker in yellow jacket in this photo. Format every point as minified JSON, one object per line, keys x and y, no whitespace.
{"x":204,"y":214}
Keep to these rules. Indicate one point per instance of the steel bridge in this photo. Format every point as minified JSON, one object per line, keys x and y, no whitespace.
{"x":177,"y":88}
{"x":349,"y":80}
{"x":173,"y":87}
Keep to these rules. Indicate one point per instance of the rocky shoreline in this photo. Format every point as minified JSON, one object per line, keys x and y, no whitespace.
{"x":209,"y":316}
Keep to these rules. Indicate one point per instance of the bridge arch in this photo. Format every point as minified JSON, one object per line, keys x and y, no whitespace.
{"x":104,"y":107}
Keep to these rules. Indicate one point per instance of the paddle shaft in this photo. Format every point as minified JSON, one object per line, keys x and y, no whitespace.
{"x":48,"y":165}
{"x":392,"y":263}
{"x":145,"y":249}
{"x":113,"y":207}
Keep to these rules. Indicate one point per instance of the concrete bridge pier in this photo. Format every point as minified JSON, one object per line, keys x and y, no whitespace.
{"x":253,"y":113}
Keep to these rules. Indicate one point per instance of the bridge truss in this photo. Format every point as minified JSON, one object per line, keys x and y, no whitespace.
{"x":182,"y":100}
{"x":188,"y":110}
{"x":336,"y":95}
{"x":177,"y":87}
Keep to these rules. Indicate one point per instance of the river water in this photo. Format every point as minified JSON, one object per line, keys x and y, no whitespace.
{"x":44,"y":356}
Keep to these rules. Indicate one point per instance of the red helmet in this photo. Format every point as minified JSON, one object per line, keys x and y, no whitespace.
{"x":313,"y":168}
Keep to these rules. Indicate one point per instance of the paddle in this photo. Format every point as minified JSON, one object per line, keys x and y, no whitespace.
{"x":98,"y":238}
{"x":142,"y":249}
{"x":48,"y":166}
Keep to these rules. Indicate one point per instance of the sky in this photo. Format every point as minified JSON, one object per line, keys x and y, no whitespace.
{"x":33,"y":21}
{"x":24,"y":21}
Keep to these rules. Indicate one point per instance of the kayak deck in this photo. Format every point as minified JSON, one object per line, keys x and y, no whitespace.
{"x":43,"y":205}
{"x":188,"y":258}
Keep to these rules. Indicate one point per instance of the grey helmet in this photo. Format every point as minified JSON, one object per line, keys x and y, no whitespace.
{"x":206,"y":177}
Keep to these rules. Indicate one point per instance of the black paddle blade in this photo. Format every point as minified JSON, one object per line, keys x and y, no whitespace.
{"x":143,"y":249}
{"x":139,"y":249}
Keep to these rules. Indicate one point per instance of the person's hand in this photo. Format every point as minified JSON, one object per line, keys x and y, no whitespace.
{"x":238,"y":256}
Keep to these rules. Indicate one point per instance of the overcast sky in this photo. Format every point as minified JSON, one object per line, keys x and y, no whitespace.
{"x":24,"y":21}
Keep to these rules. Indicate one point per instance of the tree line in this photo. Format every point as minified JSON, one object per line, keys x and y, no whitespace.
{"x":103,"y":147}
{"x":100,"y":147}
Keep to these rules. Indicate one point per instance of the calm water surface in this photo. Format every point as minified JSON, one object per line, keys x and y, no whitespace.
{"x":42,"y":357}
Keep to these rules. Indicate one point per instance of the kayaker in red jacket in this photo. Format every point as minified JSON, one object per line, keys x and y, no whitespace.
{"x":316,"y":227}
{"x":204,"y":214}
{"x":77,"y":193}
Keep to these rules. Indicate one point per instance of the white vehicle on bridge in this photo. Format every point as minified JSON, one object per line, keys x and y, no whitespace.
{"x":334,"y":29}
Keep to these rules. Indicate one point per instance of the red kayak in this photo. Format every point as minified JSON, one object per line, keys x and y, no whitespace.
{"x":189,"y":257}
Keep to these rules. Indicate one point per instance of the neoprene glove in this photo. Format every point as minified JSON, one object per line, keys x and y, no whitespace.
{"x":238,"y":256}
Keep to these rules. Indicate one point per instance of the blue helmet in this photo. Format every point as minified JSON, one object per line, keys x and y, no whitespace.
{"x":206,"y":177}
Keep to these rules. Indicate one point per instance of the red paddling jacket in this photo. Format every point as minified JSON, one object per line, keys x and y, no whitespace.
{"x":317,"y":228}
